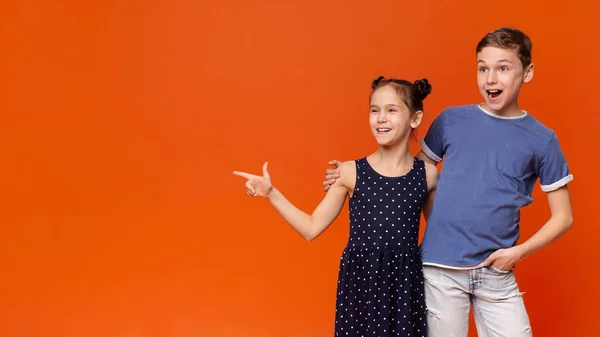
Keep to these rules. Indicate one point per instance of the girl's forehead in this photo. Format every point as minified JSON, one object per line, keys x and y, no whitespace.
{"x":386,"y":94}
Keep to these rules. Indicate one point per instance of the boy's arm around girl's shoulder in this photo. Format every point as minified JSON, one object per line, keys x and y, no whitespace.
{"x":431,"y":174}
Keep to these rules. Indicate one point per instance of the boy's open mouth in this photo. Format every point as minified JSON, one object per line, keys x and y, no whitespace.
{"x":493,"y":93}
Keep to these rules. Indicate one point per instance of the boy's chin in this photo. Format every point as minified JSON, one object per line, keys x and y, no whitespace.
{"x":494,"y":106}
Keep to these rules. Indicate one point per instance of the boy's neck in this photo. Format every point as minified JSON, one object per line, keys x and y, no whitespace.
{"x":512,"y":111}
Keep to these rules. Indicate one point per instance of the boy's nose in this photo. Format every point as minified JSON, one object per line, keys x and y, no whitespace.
{"x":492,"y":78}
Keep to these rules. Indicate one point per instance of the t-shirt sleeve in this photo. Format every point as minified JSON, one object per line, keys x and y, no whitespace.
{"x":433,"y":144}
{"x":553,"y":169}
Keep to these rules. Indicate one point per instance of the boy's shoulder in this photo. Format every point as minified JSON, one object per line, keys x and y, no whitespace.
{"x":458,"y":111}
{"x":540,"y":135}
{"x":460,"y":108}
{"x":537,"y":126}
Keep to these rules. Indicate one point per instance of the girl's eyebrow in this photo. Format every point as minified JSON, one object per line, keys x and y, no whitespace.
{"x":387,"y":105}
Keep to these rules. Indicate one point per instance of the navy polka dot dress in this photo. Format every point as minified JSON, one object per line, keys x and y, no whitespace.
{"x":380,"y":287}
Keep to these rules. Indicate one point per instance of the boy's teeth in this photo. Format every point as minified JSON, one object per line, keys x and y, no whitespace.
{"x":494,"y":93}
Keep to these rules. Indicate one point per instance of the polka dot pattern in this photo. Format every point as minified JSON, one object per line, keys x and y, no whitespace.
{"x":380,"y":288}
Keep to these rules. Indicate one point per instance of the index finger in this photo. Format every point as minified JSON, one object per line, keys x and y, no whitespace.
{"x":335,"y":163}
{"x":243,"y":174}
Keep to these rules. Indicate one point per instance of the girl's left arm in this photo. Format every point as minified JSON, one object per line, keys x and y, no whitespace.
{"x":432,"y":179}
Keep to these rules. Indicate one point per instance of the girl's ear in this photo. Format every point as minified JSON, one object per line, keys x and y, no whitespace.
{"x":416,"y":119}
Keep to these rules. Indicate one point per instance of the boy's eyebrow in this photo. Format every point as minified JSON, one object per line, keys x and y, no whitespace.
{"x":499,"y":61}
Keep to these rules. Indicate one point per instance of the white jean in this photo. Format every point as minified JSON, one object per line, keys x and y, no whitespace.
{"x":498,"y":305}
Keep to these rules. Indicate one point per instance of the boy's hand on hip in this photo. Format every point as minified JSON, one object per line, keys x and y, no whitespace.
{"x":504,"y":259}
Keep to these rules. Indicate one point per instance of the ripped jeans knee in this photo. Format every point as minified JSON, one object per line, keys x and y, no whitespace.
{"x":433,"y":313}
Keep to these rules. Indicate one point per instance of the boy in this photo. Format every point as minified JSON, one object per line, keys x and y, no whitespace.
{"x":493,"y":154}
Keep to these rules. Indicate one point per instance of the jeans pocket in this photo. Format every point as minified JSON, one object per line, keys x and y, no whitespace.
{"x":499,"y":271}
{"x":499,"y":283}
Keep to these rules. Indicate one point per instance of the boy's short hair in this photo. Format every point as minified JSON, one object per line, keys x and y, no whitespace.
{"x":508,"y":38}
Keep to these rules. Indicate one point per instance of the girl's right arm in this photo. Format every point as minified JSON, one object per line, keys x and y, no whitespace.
{"x":309,"y":226}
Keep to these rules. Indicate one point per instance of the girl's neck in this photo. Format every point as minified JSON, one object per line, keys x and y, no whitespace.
{"x":392,"y":160}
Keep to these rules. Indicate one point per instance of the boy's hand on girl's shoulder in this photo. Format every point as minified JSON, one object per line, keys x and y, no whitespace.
{"x":504,"y":259}
{"x":331,"y":174}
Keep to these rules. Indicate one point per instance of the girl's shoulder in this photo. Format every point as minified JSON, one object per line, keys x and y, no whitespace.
{"x":431,"y":175}
{"x":348,"y":167}
{"x":348,"y":173}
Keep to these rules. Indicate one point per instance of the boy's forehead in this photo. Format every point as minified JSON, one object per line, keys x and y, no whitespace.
{"x":493,"y":54}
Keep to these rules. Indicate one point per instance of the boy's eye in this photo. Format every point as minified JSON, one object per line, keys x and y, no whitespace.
{"x":374,"y":111}
{"x":392,"y":110}
{"x":503,"y":68}
{"x":481,"y":70}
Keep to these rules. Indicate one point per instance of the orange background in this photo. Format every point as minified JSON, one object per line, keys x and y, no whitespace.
{"x":123,"y":120}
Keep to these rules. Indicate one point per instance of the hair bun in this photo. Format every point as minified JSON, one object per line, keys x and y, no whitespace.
{"x":376,"y":82}
{"x":423,"y":87}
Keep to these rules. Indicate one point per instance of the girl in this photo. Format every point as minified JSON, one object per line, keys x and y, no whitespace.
{"x":380,"y":282}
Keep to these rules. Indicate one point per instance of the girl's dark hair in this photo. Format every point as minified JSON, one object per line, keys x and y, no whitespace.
{"x":412,"y":94}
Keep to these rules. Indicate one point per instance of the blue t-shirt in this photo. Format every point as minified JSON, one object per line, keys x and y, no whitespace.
{"x":491,"y":164}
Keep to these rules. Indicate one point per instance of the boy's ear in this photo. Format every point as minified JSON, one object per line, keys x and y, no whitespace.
{"x":528,"y":73}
